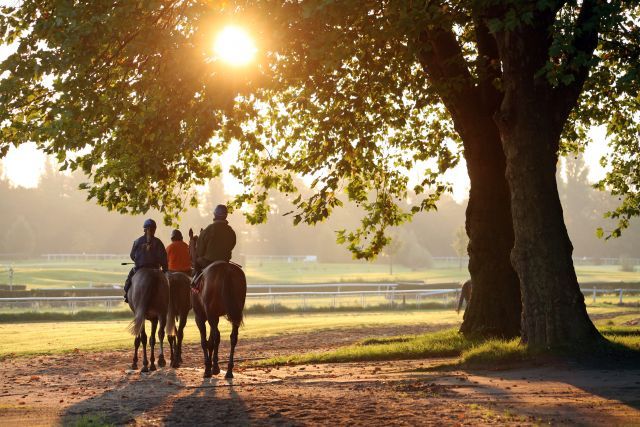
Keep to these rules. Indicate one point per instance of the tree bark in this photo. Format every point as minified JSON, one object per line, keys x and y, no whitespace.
{"x":554,"y":313}
{"x":495,"y":306}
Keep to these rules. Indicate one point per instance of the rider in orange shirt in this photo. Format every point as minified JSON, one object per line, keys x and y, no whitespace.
{"x":178,"y":254}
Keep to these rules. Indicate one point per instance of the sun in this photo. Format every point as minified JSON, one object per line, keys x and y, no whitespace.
{"x":235,"y":46}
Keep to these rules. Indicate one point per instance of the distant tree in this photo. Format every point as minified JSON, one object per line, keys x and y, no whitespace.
{"x":460,"y":244}
{"x":392,"y":249}
{"x":20,"y":238}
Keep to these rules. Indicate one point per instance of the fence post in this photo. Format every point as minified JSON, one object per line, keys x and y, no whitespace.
{"x":362,"y":299}
{"x":594,"y":294}
{"x":304,"y":303}
{"x":620,"y":297}
{"x":273,"y":303}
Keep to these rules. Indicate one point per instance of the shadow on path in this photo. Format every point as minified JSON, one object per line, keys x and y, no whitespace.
{"x":143,"y":393}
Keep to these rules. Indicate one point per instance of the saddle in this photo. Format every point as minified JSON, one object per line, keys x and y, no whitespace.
{"x":196,"y":282}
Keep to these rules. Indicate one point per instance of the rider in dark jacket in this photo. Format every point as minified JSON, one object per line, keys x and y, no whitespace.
{"x":147,"y":252}
{"x":215,"y":242}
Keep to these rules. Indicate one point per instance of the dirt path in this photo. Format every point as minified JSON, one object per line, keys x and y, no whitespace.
{"x":85,"y":386}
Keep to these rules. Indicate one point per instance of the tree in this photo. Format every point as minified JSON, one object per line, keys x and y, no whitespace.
{"x":19,"y":238}
{"x":460,"y":243}
{"x":364,"y":80}
{"x":111,"y":79}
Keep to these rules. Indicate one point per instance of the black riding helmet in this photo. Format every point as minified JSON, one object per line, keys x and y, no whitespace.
{"x":220,"y":212}
{"x":176,"y":235}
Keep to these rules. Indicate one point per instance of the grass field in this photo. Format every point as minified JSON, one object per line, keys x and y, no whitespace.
{"x":57,"y":337}
{"x":42,"y":274}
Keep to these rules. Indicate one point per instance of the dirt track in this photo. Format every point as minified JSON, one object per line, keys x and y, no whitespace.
{"x":63,"y":389}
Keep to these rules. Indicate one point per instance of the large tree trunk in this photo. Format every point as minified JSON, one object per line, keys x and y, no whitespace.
{"x":554,"y":312}
{"x":495,"y":306}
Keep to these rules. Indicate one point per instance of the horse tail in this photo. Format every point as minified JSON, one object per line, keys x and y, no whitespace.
{"x":136,"y":325}
{"x":233,"y":305}
{"x":170,"y":328}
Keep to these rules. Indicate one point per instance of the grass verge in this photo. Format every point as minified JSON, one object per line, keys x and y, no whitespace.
{"x":623,"y":344}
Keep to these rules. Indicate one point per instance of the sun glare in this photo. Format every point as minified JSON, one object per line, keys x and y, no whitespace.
{"x":235,"y":46}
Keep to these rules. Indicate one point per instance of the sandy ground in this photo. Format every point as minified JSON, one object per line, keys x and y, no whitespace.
{"x":82,"y":386}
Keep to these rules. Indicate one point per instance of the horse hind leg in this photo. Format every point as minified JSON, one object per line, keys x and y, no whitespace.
{"x":152,"y":344}
{"x":180,"y":336}
{"x":163,"y":321}
{"x":214,"y":343}
{"x":234,"y":341}
{"x":136,"y":344}
{"x":202,"y":327}
{"x":143,"y":339}
{"x":172,"y":357}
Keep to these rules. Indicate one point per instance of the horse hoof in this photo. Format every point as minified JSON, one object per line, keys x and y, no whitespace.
{"x":216,"y":370}
{"x":229,"y":375}
{"x":207,"y":374}
{"x":145,"y":369}
{"x":162,"y":363}
{"x":153,"y":368}
{"x":134,"y":366}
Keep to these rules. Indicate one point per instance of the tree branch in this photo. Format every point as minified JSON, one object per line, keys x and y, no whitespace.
{"x":442,"y":59}
{"x":585,"y":41}
{"x":489,"y":68}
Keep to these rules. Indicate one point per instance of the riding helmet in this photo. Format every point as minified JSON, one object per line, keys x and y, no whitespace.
{"x":149,"y":223}
{"x":220,"y":212}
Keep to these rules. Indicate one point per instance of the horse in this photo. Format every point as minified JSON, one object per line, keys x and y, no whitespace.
{"x":179,"y":306}
{"x":148,"y":299}
{"x":222,"y":293}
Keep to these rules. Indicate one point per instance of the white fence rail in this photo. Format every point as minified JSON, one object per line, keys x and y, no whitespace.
{"x":302,"y":300}
{"x":620,"y":292}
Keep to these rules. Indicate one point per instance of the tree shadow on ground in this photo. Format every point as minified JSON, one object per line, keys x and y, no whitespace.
{"x":143,"y":393}
{"x":216,"y":402}
{"x":567,"y":390}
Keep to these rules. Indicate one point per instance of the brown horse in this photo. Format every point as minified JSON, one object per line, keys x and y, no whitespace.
{"x":223,"y":289}
{"x":148,"y":299}
{"x":179,"y":306}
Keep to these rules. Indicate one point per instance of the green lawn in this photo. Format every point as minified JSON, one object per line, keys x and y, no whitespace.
{"x":39,"y":273}
{"x":471,"y":352}
{"x":58,"y":337}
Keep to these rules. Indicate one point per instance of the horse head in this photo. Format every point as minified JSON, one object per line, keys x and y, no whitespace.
{"x":193,"y":241}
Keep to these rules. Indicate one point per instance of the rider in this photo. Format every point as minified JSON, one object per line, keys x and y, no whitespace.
{"x":147,"y":252}
{"x":215,"y":242}
{"x":178,"y":254}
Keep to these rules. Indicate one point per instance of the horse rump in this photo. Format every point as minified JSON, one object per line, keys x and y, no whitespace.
{"x":234,"y":290}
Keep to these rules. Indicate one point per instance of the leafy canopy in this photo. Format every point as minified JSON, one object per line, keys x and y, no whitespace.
{"x":130,"y":93}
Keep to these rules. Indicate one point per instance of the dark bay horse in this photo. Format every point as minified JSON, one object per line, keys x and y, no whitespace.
{"x":179,"y":307}
{"x":148,"y":299}
{"x":222,"y":292}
